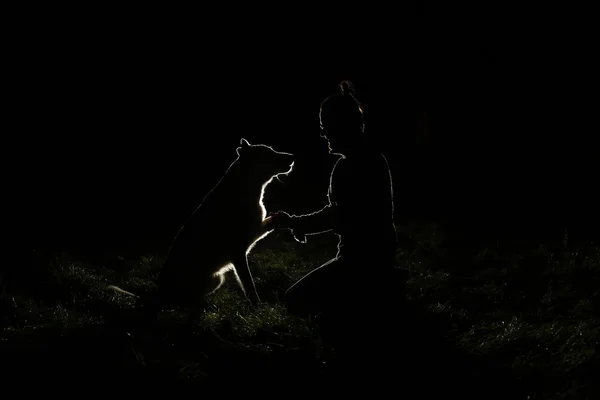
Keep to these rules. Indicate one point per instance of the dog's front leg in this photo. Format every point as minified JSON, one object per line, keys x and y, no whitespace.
{"x":245,"y":280}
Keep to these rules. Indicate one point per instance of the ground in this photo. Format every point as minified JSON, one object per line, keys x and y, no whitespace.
{"x":517,"y":319}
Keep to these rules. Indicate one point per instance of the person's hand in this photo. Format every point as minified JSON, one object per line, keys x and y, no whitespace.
{"x":280,"y":220}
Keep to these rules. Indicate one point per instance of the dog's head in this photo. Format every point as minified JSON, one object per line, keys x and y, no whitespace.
{"x":265,"y":162}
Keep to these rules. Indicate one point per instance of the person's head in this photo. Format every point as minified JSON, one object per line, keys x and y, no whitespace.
{"x":341,"y":119}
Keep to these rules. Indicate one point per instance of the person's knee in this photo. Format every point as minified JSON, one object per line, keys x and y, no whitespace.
{"x":296,"y":302}
{"x":291,"y":299}
{"x":288,"y":296}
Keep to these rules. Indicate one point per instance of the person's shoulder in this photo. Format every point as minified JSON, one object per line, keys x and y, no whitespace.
{"x":377,"y":161}
{"x":374,"y":155}
{"x":382,"y":158}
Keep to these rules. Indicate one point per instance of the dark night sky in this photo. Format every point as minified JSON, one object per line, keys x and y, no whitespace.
{"x":125,"y":113}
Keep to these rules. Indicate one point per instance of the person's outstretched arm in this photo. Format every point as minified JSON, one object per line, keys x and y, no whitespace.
{"x":301,"y":225}
{"x":314,"y":223}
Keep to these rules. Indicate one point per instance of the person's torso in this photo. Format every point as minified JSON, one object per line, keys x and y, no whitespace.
{"x":362,"y":194}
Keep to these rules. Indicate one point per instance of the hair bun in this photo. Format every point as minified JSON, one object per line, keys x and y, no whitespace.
{"x":347,"y":88}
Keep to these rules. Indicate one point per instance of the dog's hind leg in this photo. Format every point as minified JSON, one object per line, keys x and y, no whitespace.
{"x":217,"y":280}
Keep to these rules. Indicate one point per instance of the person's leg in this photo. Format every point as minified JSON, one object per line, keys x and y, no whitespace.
{"x":361,"y":323}
{"x":311,"y":293}
{"x":343,"y":284}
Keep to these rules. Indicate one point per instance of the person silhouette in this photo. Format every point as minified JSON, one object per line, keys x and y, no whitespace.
{"x":360,"y":212}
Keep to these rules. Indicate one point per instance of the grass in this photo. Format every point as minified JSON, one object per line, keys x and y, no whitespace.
{"x":521,"y":320}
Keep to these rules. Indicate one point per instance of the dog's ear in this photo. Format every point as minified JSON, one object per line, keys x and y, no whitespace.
{"x":244,"y":143}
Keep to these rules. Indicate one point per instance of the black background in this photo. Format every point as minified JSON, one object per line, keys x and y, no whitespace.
{"x":128,"y":119}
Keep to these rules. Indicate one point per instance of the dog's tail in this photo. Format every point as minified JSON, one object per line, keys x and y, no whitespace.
{"x":147,"y":312}
{"x":118,"y":289}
